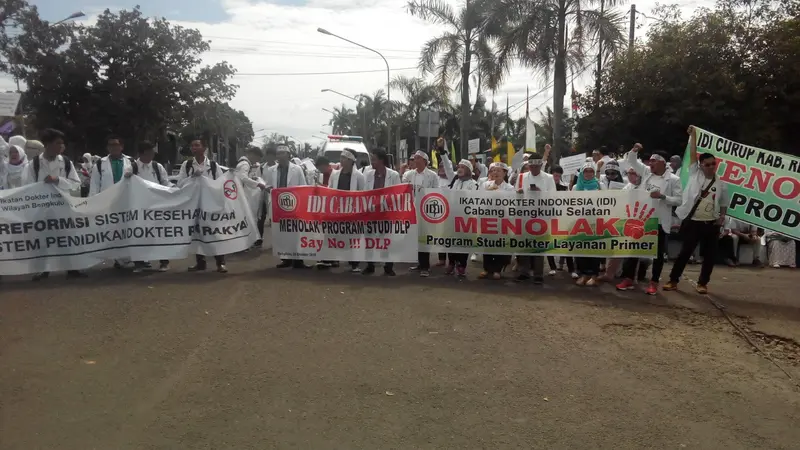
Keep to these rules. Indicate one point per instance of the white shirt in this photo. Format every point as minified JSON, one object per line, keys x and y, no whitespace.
{"x":426,"y":179}
{"x":717,"y":196}
{"x":544,"y":182}
{"x":465,"y":185}
{"x":502,"y":187}
{"x":148,"y":172}
{"x":669,"y":185}
{"x":449,"y":174}
{"x":204,"y":169}
{"x":55,"y":168}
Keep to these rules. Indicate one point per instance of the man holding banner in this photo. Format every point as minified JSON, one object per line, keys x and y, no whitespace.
{"x":665,"y":190}
{"x":347,"y":178}
{"x":201,"y":166}
{"x":381,"y":176}
{"x":702,"y":213}
{"x":53,"y":168}
{"x":281,"y":175}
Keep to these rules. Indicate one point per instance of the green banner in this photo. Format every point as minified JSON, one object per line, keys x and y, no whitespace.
{"x":764,"y":186}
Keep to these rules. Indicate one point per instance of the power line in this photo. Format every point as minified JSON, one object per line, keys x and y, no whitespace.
{"x":518,"y":104}
{"x":304,"y":44}
{"x":301,"y":54}
{"x":320,"y":73}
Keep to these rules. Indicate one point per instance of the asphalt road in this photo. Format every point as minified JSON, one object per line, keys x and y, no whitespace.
{"x":262,"y":358}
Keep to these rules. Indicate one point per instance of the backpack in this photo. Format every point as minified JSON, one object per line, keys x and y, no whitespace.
{"x":36,"y":163}
{"x":190,"y":169}
{"x":99,"y":164}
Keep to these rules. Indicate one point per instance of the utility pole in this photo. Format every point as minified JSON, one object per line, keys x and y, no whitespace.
{"x":598,"y":78}
{"x":632,"y":30}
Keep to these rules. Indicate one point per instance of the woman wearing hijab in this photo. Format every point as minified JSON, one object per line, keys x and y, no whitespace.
{"x":612,"y":179}
{"x":462,"y":181}
{"x":588,"y":267}
{"x":612,"y":174}
{"x":494,"y":264}
{"x":14,"y":167}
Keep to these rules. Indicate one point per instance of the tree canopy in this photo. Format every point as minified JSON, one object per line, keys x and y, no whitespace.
{"x":127,"y":74}
{"x":733,"y":70}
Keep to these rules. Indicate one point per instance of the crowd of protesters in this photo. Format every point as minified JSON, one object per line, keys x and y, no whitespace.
{"x":697,"y":210}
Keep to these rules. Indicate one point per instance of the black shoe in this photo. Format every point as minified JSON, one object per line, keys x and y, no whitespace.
{"x":41,"y":276}
{"x":369,"y":270}
{"x":258,"y":243}
{"x":163,"y":267}
{"x":197,"y":268}
{"x":522,"y":277}
{"x":335,"y":264}
{"x":415,"y":269}
{"x":538,"y":280}
{"x":76,"y":274}
{"x":300,"y":266}
{"x":222,"y":269}
{"x":284,"y":265}
{"x":117,"y":265}
{"x":323,"y":265}
{"x":388,"y":272}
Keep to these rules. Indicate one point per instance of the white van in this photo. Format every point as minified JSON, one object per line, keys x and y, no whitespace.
{"x":332,"y":149}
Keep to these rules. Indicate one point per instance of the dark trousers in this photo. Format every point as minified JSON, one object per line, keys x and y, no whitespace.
{"x":201,"y":260}
{"x":386,"y":266}
{"x":589,"y":267}
{"x":726,"y":249}
{"x":551,"y":261}
{"x":443,"y":257}
{"x":424,"y":260}
{"x":629,"y":266}
{"x":262,"y":221}
{"x":458,"y":259}
{"x":693,"y":233}
{"x":495,"y":263}
{"x":532,"y":263}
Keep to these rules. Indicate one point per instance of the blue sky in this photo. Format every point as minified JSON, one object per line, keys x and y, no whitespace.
{"x":208,"y":11}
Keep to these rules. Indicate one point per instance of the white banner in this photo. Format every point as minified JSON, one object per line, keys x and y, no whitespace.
{"x":593,"y":223}
{"x":8,"y":103}
{"x":43,"y":229}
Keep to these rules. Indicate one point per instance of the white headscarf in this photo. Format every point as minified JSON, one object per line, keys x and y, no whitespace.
{"x":17,"y":168}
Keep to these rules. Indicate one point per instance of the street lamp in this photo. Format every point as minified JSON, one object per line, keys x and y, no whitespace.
{"x":363,"y":110}
{"x":74,"y":15}
{"x":388,"y":83}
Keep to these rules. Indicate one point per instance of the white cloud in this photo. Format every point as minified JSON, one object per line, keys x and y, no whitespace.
{"x":260,"y":38}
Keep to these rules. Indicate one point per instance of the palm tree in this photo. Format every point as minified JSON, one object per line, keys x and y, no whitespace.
{"x":536,"y":33}
{"x":465,"y":40}
{"x":343,"y":120}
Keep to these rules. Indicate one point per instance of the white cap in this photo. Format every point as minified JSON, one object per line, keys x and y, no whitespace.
{"x":421,"y":154}
{"x":465,"y":163}
{"x":500,"y":165}
{"x":282,"y":148}
{"x":348,"y":154}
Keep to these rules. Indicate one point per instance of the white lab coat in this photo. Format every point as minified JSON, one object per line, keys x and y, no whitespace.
{"x":66,"y":181}
{"x":104,"y":178}
{"x":426,"y":179}
{"x":148,"y":172}
{"x":392,"y":179}
{"x":357,"y":181}
{"x":465,"y":185}
{"x":503,"y":187}
{"x":204,"y":169}
{"x":449,"y":174}
{"x":548,"y":185}
{"x":295,"y":177}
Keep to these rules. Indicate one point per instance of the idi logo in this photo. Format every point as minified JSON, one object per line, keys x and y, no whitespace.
{"x":434,"y":208}
{"x":287,"y":201}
